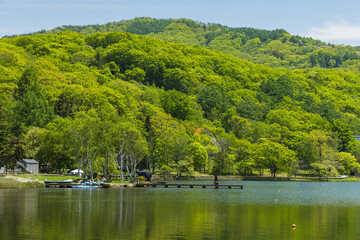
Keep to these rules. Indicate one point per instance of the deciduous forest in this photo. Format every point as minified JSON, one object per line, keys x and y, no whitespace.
{"x":178,"y":96}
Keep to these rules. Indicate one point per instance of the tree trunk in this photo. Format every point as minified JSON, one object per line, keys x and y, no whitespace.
{"x":118,"y":159}
{"x":106,"y":164}
{"x":121,"y":167}
{"x":91,"y":172}
{"x":129,"y":172}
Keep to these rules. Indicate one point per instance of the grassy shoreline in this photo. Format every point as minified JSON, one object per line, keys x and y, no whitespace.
{"x":24,"y":181}
{"x":17,"y":183}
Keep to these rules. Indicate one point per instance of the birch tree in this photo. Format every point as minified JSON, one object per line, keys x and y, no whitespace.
{"x":87,"y":139}
{"x":131,"y":147}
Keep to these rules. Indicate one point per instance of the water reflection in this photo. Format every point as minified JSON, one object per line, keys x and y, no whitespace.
{"x":319,"y":210}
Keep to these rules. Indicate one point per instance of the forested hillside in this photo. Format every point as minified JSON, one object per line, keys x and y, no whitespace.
{"x":121,"y":101}
{"x":275,"y":48}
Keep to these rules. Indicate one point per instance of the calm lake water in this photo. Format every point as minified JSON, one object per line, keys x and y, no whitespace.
{"x":262,"y":210}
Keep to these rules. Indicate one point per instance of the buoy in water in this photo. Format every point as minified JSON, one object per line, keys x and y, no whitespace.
{"x":294,"y":226}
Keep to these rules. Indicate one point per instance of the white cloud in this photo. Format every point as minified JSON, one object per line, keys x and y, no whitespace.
{"x":337,"y":32}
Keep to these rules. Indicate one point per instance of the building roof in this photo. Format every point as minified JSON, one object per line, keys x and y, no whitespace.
{"x":30,"y":161}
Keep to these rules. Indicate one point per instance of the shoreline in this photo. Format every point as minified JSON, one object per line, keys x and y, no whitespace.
{"x":16,"y":182}
{"x":257,"y":178}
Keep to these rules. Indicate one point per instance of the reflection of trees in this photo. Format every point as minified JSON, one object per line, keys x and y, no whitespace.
{"x":163,"y":214}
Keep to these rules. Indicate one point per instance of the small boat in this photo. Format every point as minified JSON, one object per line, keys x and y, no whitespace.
{"x":58,"y":181}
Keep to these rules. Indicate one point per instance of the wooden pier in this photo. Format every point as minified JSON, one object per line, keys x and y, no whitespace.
{"x":64,"y":184}
{"x":190,"y":185}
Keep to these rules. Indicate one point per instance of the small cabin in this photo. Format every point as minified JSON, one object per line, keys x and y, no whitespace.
{"x":28,"y":165}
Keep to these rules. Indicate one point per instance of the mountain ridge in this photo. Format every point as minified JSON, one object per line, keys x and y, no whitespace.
{"x":275,"y":48}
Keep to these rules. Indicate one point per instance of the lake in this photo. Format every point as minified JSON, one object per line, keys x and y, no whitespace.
{"x":262,"y":210}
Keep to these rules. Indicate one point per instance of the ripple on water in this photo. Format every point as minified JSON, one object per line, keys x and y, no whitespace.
{"x":266,"y":193}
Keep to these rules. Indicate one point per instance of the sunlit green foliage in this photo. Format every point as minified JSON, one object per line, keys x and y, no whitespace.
{"x":275,"y":48}
{"x":116,"y":99}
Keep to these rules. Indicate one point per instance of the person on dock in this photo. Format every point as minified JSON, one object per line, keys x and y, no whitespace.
{"x":216,"y":182}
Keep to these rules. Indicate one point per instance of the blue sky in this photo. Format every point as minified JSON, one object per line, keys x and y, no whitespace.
{"x":330,"y":21}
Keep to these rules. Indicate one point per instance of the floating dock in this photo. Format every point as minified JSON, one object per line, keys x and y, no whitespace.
{"x":190,"y":185}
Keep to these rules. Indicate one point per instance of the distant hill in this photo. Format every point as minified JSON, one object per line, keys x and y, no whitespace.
{"x":117,"y":99}
{"x":276,"y":48}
